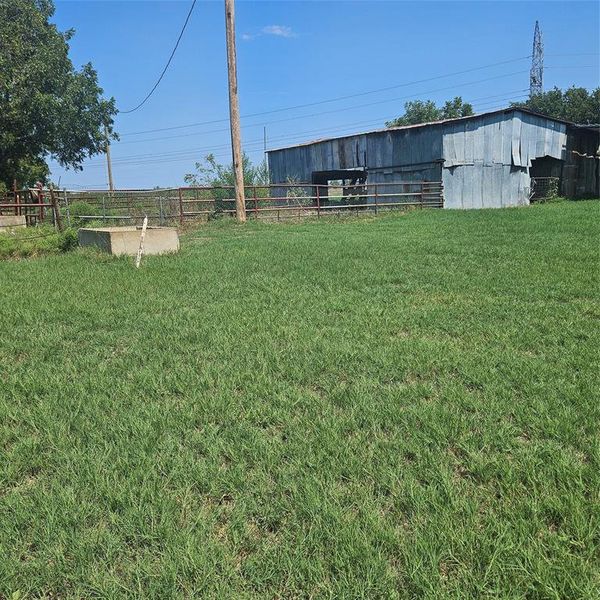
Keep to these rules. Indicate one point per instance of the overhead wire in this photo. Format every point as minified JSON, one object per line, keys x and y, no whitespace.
{"x":272,"y":122}
{"x":125,"y":112}
{"x":509,"y":95}
{"x":336,"y":99}
{"x":192,"y":153}
{"x":358,"y":94}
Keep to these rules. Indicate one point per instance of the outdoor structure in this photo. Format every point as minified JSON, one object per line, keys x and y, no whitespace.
{"x":485,"y":160}
{"x":126,"y":240}
{"x":10,"y":222}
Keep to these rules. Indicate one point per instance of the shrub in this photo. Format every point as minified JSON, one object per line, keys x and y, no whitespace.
{"x":68,"y":240}
{"x":36,"y":241}
{"x":79,"y":209}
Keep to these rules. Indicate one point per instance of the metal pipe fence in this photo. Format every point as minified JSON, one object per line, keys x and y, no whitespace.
{"x":172,"y":206}
{"x":32,"y":203}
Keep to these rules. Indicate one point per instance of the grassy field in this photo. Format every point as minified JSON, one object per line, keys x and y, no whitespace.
{"x":405,"y":407}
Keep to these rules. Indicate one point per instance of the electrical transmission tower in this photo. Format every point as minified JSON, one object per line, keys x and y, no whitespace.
{"x":536,"y":74}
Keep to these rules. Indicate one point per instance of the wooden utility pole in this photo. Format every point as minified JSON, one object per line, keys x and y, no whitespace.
{"x":234,"y":113}
{"x":265,"y":153}
{"x":111,"y":186}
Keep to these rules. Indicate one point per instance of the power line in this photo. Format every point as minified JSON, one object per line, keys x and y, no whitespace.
{"x":336,"y":99}
{"x":125,"y":112}
{"x":364,"y":105}
{"x":497,"y":97}
{"x":263,"y":123}
{"x":192,"y":153}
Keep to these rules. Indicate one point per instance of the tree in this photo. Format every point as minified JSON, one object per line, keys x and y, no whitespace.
{"x":426,"y":111}
{"x":455,"y":108}
{"x":47,"y":107}
{"x":573,"y":104}
{"x":216,"y":174}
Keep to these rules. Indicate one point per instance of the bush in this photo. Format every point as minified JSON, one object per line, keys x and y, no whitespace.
{"x":36,"y":241}
{"x":79,"y":209}
{"x":68,"y":240}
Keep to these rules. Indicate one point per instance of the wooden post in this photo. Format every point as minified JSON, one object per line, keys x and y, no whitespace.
{"x":66,"y":199}
{"x":41,"y":200}
{"x":138,"y":258}
{"x":255,"y":204}
{"x":234,"y":113}
{"x":111,"y":187}
{"x":55,"y":208}
{"x":318,"y":202}
{"x":17,"y":208}
{"x":180,"y":207}
{"x":376,"y":199}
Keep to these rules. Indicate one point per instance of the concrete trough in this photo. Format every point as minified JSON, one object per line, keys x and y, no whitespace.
{"x":8,"y":222}
{"x":126,"y":240}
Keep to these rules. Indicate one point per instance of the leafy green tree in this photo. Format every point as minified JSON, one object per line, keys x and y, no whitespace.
{"x":426,"y":111}
{"x":417,"y":111}
{"x":216,"y":174}
{"x":573,"y":104}
{"x":455,"y":108}
{"x":47,"y":107}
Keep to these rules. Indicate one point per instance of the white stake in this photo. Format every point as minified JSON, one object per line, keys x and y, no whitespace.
{"x":138,"y":259}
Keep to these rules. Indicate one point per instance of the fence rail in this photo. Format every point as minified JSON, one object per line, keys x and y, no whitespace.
{"x":31,"y":203}
{"x":177,"y":205}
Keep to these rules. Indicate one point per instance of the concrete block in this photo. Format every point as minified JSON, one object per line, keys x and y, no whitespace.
{"x":9,"y":222}
{"x":126,"y":240}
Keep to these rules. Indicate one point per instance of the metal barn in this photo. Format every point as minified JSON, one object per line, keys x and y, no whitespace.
{"x":483,"y":161}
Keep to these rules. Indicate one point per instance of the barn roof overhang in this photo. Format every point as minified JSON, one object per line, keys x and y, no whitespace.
{"x":441,"y":123}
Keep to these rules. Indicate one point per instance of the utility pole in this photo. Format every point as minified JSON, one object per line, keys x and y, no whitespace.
{"x":265,"y":140}
{"x":265,"y":152}
{"x":536,"y":74}
{"x":234,"y":113}
{"x":111,"y":187}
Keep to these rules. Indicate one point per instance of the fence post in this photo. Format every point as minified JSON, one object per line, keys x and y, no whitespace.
{"x":376,"y":199}
{"x":318,"y":202}
{"x":41,"y":201}
{"x":161,"y":217}
{"x":56,"y":210}
{"x":66,"y":198}
{"x":16,"y":200}
{"x":180,"y":207}
{"x":422,"y":194}
{"x":255,"y":204}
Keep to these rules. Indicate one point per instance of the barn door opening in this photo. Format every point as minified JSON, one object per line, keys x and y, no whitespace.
{"x":546,"y":174}
{"x":343,"y":186}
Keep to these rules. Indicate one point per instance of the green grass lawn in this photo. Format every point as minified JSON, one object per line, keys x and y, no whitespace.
{"x":402,"y":407}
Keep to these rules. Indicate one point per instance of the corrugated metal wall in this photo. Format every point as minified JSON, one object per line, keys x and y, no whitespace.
{"x":487,"y":160}
{"x":405,"y":155}
{"x":299,"y":162}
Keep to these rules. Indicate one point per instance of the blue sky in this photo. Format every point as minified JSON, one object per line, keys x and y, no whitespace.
{"x":293,"y":53}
